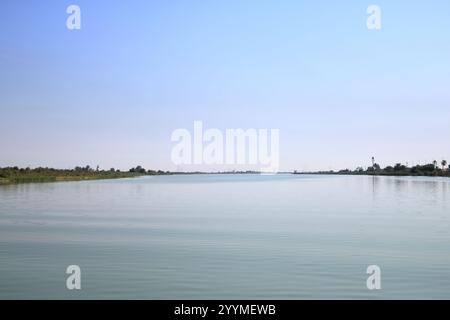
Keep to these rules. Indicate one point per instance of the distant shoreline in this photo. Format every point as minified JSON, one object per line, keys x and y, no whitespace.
{"x":16,"y":175}
{"x":398,"y":170}
{"x":371,"y":174}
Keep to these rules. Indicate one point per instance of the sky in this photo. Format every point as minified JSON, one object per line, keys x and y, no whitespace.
{"x":112,"y":93}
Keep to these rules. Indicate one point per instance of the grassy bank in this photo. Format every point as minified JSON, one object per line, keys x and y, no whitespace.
{"x":14,"y":175}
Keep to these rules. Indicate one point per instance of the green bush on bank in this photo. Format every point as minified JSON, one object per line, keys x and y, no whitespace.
{"x":11,"y":175}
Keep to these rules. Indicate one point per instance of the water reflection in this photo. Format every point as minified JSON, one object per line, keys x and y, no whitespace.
{"x":205,"y":236}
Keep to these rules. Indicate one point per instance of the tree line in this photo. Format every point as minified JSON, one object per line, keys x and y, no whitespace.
{"x":399,"y":169}
{"x":44,"y":174}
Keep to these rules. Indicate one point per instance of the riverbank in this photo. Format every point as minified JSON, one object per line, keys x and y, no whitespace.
{"x":15,"y":175}
{"x":399,"y":170}
{"x":382,"y":174}
{"x":60,"y":175}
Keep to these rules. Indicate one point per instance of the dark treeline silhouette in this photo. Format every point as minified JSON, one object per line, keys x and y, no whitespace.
{"x":142,"y":171}
{"x":431,"y":170}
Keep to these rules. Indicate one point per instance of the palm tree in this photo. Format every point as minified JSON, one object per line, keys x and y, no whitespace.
{"x":443,"y":163}
{"x":435,"y":164}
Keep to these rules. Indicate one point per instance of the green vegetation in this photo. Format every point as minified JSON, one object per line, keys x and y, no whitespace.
{"x":12,"y":175}
{"x":429,"y":170}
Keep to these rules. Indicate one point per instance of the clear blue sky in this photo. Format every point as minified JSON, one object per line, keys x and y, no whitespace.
{"x":112,"y":93}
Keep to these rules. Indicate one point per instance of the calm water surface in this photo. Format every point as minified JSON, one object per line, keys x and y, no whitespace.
{"x":227,"y":236}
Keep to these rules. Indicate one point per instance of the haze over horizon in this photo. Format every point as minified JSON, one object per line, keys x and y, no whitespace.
{"x":112,"y":93}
